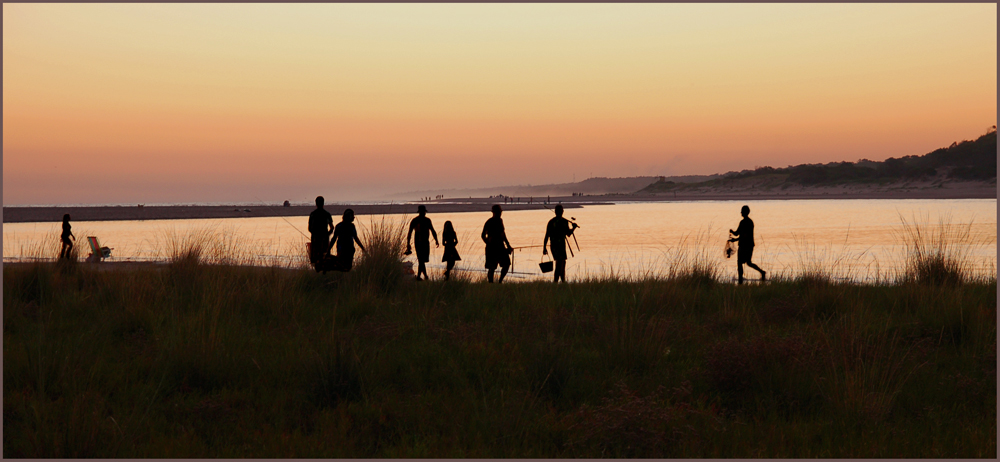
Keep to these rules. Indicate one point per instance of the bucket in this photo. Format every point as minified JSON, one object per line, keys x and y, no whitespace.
{"x":545,"y":266}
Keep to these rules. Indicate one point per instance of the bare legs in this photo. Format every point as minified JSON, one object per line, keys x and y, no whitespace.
{"x":560,"y":272}
{"x":67,"y":246}
{"x":503,"y":272}
{"x":739,"y":272}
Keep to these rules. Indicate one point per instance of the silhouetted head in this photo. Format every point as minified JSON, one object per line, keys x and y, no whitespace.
{"x":422,"y":210}
{"x":348,"y":215}
{"x":319,"y":201}
{"x":496,"y":210}
{"x":745,"y":210}
{"x":448,"y":227}
{"x":65,"y":218}
{"x":559,"y":210}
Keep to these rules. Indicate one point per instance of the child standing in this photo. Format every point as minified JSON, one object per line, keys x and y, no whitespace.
{"x":450,"y":241}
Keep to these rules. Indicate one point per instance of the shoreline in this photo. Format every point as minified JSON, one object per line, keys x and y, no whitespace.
{"x":33,"y":214}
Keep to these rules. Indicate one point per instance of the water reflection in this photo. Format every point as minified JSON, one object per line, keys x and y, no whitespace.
{"x":852,"y":239}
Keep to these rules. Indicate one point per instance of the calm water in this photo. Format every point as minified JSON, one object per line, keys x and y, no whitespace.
{"x":857,"y":239}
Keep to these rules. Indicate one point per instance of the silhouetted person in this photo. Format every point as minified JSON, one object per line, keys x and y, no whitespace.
{"x":320,"y":227}
{"x":422,"y":225}
{"x":744,"y":233}
{"x":557,"y":230}
{"x":498,"y":249}
{"x":67,"y":245}
{"x":450,"y":241}
{"x":344,"y":236}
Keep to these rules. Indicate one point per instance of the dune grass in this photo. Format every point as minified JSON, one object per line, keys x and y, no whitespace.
{"x":227,"y":360}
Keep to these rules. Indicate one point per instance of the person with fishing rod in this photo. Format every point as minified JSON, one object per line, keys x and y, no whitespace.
{"x":320,"y":228}
{"x":422,"y":225}
{"x":498,"y":249}
{"x":345,"y":235}
{"x":744,"y":235}
{"x":558,"y":230}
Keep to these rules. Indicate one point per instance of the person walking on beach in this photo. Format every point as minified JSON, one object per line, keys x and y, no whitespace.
{"x":344,"y":236}
{"x":320,"y":228}
{"x":558,"y":230}
{"x":67,"y":233}
{"x":498,"y":249}
{"x":422,"y":225}
{"x":450,"y":241}
{"x":744,"y":235}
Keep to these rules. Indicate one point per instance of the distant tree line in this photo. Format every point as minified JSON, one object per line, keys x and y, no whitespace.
{"x":966,"y":160}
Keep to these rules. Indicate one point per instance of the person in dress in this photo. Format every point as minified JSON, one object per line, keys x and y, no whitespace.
{"x":450,"y":241}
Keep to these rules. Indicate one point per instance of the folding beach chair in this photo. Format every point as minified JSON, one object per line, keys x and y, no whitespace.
{"x":97,"y":253}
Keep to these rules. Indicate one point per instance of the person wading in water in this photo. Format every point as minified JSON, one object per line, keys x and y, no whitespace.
{"x":422,"y":225}
{"x":498,"y":249}
{"x":558,"y":230}
{"x":320,"y":228}
{"x":67,"y":246}
{"x":744,"y":235}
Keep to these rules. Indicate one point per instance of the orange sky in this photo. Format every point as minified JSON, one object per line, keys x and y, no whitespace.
{"x":127,"y":103}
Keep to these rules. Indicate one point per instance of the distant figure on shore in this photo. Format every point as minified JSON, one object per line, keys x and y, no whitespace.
{"x":422,"y":225}
{"x":344,"y":236}
{"x":450,"y":241}
{"x":558,"y":230}
{"x":498,"y":249}
{"x":320,"y":227}
{"x":67,"y":233}
{"x":744,"y":235}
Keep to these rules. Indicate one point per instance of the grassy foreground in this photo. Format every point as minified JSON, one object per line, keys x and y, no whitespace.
{"x":195,"y":360}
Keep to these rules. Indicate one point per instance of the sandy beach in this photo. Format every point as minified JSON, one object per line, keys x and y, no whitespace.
{"x":178,"y":212}
{"x":971,"y":190}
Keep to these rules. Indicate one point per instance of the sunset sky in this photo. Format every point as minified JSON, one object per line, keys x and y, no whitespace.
{"x":159,"y":103}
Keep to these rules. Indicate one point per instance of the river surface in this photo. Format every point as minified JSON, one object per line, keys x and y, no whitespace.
{"x":861,"y":240}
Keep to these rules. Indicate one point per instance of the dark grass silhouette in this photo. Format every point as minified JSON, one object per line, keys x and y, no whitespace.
{"x":225,"y":360}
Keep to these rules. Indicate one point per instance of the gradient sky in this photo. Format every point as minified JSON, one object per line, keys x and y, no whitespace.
{"x":152,"y":103}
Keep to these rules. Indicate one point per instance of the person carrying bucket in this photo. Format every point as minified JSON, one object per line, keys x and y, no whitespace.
{"x":558,"y":230}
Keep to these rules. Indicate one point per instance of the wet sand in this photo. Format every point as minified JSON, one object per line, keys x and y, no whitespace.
{"x":178,"y":212}
{"x":452,"y":205}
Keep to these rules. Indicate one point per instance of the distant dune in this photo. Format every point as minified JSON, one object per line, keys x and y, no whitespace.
{"x":965,"y":169}
{"x":590,"y":186}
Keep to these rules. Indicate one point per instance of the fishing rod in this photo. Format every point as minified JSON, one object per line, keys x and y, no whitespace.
{"x":571,"y":220}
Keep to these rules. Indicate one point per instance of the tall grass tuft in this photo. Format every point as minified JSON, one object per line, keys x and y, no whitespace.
{"x":937,"y":255}
{"x":184,"y":250}
{"x":381,"y":264}
{"x":692,"y":263}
